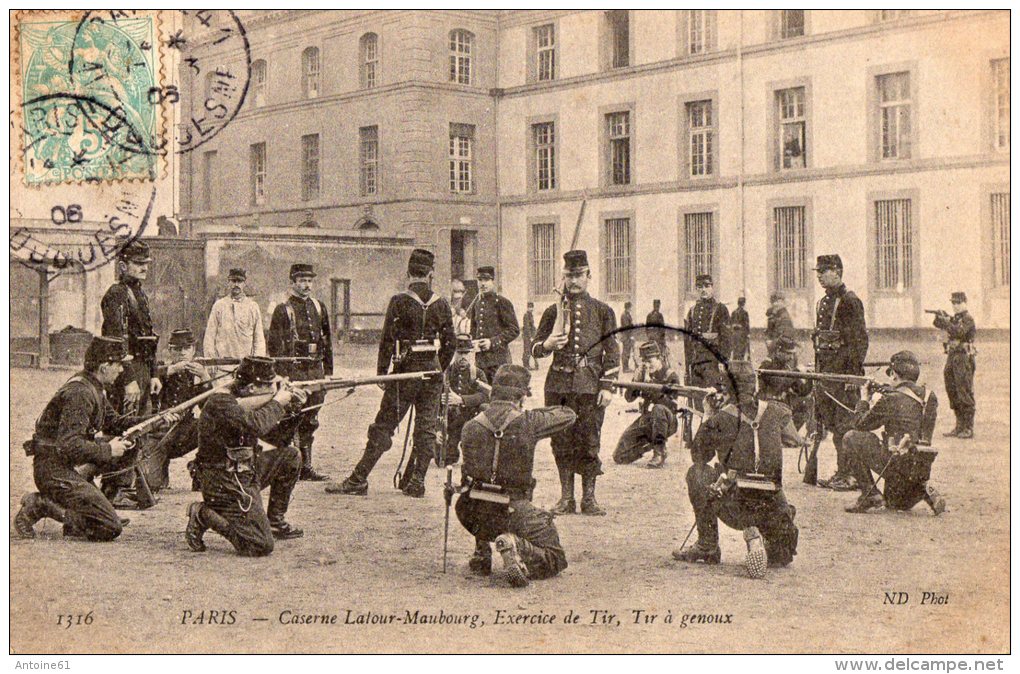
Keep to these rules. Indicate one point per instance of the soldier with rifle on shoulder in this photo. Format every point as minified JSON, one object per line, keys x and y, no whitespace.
{"x":960,"y":363}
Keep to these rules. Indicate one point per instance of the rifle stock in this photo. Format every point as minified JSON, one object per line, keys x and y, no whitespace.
{"x":333,"y":383}
{"x":671,"y":389}
{"x":856,"y":380}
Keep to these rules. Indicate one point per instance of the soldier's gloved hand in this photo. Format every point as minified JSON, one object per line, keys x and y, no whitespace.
{"x":448,"y":492}
{"x":173,"y":418}
{"x":484,"y":344}
{"x":605,"y":397}
{"x":284,"y":395}
{"x":555,"y":342}
{"x":300,"y":396}
{"x":155,"y":386}
{"x":132,"y":393}
{"x":452,"y":398}
{"x":118,"y":446}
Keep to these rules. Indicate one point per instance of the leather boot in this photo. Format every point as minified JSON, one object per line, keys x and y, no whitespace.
{"x":415,"y":486}
{"x":957,"y":428}
{"x":658,"y":457}
{"x":757,"y":560}
{"x":356,"y":483}
{"x":196,"y":527}
{"x":589,"y":506}
{"x":698,"y":553}
{"x":480,"y":563}
{"x":30,"y":513}
{"x":934,"y":500}
{"x":513,"y":565}
{"x":966,"y":426}
{"x":566,"y":505}
{"x":308,"y":474}
{"x":279,"y":499}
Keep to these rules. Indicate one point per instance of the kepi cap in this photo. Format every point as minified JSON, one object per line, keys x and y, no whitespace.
{"x":421,"y":262}
{"x":181,"y":338}
{"x":650,"y":350}
{"x":575,"y":261}
{"x":464,"y":344}
{"x":826,"y":262}
{"x":255,"y":370}
{"x":958,"y":297}
{"x":487,"y":272}
{"x":241,"y":275}
{"x":135,"y":251}
{"x":299,"y":269}
{"x":905,"y":364}
{"x":107,"y":350}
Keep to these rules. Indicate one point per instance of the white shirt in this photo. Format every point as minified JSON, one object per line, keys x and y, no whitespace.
{"x":234,"y":329}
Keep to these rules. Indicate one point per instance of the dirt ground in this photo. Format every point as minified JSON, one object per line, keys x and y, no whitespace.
{"x":381,"y":556}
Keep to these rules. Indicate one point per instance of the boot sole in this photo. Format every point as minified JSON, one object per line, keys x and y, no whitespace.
{"x":195,"y":543}
{"x":361,"y":491}
{"x":516,"y":572}
{"x":757,"y":560}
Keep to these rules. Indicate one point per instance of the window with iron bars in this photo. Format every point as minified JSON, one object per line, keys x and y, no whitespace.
{"x":701,"y":130}
{"x":461,"y":43}
{"x":617,"y":256}
{"x":310,"y":72}
{"x":545,"y":52}
{"x":894,"y":248}
{"x":369,"y":155}
{"x":310,"y":167}
{"x":699,"y":247}
{"x":543,"y":277}
{"x":369,"y":60}
{"x":462,"y":138}
{"x":791,"y":23}
{"x":1000,"y":240}
{"x":618,"y":126}
{"x":1000,"y":74}
{"x":792,"y":128}
{"x":790,"y":252}
{"x":257,"y":158}
{"x":894,"y":115}
{"x":545,"y":155}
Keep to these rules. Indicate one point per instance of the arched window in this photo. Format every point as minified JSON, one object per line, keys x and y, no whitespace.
{"x":310,"y":223}
{"x":366,"y":225}
{"x":369,"y":60}
{"x":258,"y":83}
{"x":461,"y":45}
{"x":310,"y":72}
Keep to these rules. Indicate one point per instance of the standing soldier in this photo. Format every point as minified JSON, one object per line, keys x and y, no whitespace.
{"x":841,"y":346}
{"x":960,"y":364}
{"x":582,"y":355}
{"x":466,"y":396}
{"x":528,"y":335}
{"x":740,"y":332}
{"x":707,"y":324}
{"x":656,"y":334}
{"x":495,"y":502}
{"x":658,"y":412}
{"x":300,"y":328}
{"x":778,"y":323}
{"x":417,"y":336}
{"x":65,"y":437}
{"x":235,"y":329}
{"x":626,"y":336}
{"x":493,"y":325}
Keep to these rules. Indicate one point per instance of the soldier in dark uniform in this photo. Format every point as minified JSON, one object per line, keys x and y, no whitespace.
{"x":778,"y":322}
{"x":466,"y":395}
{"x":841,"y":346}
{"x":233,"y":470}
{"x":656,"y":334}
{"x":794,"y":393}
{"x":740,"y":332}
{"x":417,"y":337}
{"x":300,"y":328}
{"x":528,"y":335}
{"x":65,"y":437}
{"x":626,"y":336}
{"x":497,"y":484}
{"x":581,"y":357}
{"x":658,"y":412}
{"x":709,"y":320}
{"x":493,"y":325}
{"x":960,"y":364}
{"x":905,"y":409}
{"x":745,"y":489}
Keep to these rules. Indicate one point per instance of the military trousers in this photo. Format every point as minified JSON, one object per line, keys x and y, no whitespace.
{"x":959,"y":379}
{"x":770,"y":513}
{"x":626,"y":354}
{"x":577,"y":448}
{"x":836,"y":417}
{"x":905,"y":476}
{"x":458,"y":416}
{"x":397,"y":399}
{"x":139,"y":372}
{"x":87,"y":512}
{"x":237,"y":498}
{"x":648,"y":431}
{"x":541,"y":550}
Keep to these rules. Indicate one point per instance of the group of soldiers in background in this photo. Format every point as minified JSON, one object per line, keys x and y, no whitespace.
{"x":475,"y":410}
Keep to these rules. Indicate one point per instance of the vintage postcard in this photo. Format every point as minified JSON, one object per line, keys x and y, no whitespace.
{"x":510,"y":331}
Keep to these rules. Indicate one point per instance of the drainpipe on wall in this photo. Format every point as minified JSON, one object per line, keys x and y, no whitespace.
{"x":740,"y":175}
{"x":499,"y":205}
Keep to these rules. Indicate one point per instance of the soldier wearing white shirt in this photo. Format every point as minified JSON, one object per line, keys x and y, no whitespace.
{"x":235,"y":324}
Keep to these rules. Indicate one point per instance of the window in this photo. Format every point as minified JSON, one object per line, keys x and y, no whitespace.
{"x":461,"y":43}
{"x":618,"y":129}
{"x":700,"y":30}
{"x":543,"y":276}
{"x":894,"y":115}
{"x":462,"y":137}
{"x":701,"y":130}
{"x":258,"y":83}
{"x":310,"y":167}
{"x":369,"y":60}
{"x":1000,"y":74}
{"x":310,"y":72}
{"x":617,"y":261}
{"x":791,"y":113}
{"x":893,"y":245}
{"x":210,"y":85}
{"x":893,"y":14}
{"x":618,"y":22}
{"x":369,"y":137}
{"x":545,"y":52}
{"x":208,"y":175}
{"x":699,"y":247}
{"x":258,"y":173}
{"x":545,"y":155}
{"x":790,"y":241}
{"x":1000,"y":240}
{"x":791,"y":23}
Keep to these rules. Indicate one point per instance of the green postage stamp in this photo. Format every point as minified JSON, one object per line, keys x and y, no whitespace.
{"x":90,"y":96}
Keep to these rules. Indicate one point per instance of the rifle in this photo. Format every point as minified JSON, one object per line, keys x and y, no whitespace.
{"x":443,"y":437}
{"x":334,"y":383}
{"x":856,"y":380}
{"x":668,"y":389}
{"x":448,"y":497}
{"x":220,"y":362}
{"x":937,"y":312}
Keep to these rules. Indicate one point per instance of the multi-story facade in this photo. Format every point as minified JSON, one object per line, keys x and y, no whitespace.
{"x":742,"y":143}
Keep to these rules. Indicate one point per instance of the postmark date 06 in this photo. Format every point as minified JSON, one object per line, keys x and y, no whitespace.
{"x":69,"y":620}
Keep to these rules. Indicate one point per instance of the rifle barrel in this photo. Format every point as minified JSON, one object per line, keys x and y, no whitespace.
{"x":675,"y":389}
{"x":816,"y":376}
{"x":151,"y":422}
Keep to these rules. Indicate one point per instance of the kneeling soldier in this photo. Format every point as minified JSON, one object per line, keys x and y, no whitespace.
{"x":233,"y":471}
{"x":658,"y":412}
{"x":495,"y":505}
{"x":468,"y":386}
{"x":65,"y":437}
{"x":906,"y":413}
{"x":745,"y":488}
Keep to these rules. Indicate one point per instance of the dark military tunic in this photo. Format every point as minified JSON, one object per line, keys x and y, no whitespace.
{"x":300,"y":327}
{"x":728,"y":435}
{"x":960,"y":361}
{"x":657,"y":421}
{"x":710,"y":320}
{"x":233,"y":471}
{"x":125,"y":308}
{"x":794,"y":393}
{"x":656,"y":334}
{"x":65,"y":437}
{"x":541,"y":551}
{"x":906,"y":409}
{"x":493,"y":317}
{"x":573,"y":377}
{"x":740,"y":334}
{"x":463,"y":378}
{"x":778,"y":324}
{"x":627,"y":339}
{"x":528,"y":337}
